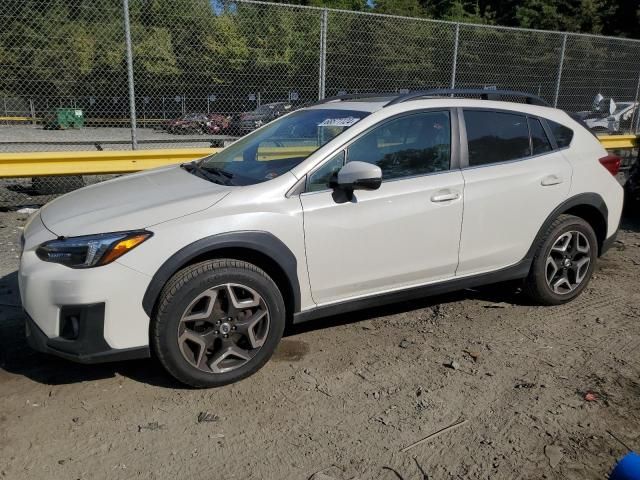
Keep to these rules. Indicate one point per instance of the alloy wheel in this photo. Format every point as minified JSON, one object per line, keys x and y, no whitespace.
{"x":223,"y":328}
{"x":568,"y":262}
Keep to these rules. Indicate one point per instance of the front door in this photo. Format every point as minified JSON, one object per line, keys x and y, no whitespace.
{"x":404,"y":234}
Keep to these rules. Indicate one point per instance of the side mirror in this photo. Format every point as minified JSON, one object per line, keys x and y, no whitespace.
{"x":358,"y":176}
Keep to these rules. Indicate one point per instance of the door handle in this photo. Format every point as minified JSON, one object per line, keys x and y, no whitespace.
{"x":445,"y":197}
{"x":551,"y":180}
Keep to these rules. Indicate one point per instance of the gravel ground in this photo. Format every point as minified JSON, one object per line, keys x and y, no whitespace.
{"x":344,"y":395}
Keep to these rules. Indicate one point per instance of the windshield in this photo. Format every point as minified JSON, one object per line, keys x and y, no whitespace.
{"x":281,"y":145}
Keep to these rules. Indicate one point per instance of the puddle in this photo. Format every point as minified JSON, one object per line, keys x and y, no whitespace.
{"x":290,"y":351}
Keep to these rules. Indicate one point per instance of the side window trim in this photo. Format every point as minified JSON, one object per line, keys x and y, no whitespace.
{"x":463,"y":143}
{"x":530,"y":136}
{"x":550,"y":135}
{"x":547,"y":132}
{"x":454,"y":152}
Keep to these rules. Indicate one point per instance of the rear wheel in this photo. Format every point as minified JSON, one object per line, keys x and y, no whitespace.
{"x":564,"y":261}
{"x":218,"y":321}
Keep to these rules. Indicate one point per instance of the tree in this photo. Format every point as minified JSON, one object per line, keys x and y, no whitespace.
{"x":408,"y":8}
{"x":459,"y":11}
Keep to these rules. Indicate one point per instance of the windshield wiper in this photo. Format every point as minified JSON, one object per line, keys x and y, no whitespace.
{"x":217,"y":171}
{"x":215,"y":176}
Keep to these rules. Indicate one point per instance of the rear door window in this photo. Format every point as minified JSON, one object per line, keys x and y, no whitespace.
{"x":495,"y":137}
{"x":539,"y":141}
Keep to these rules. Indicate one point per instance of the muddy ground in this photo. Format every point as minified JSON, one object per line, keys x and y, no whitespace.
{"x":343,"y":396}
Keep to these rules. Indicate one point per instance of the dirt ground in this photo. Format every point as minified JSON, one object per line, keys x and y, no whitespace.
{"x":343,"y":396}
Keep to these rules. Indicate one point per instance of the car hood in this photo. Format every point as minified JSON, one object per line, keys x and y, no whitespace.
{"x":131,"y":202}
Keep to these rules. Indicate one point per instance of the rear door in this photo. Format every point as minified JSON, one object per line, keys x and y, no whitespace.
{"x":513,"y":181}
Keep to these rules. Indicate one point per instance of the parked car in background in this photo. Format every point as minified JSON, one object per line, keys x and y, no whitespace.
{"x":205,"y":263}
{"x":211,"y":123}
{"x":262,"y":115}
{"x":609,"y":116}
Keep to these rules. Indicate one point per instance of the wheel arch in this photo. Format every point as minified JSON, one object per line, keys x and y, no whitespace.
{"x":591,"y":207}
{"x":262,"y":249}
{"x":593,"y":217}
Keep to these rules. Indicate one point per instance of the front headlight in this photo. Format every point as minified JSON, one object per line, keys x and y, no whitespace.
{"x":91,"y":250}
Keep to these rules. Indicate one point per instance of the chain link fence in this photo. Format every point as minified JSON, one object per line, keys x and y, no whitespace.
{"x":203,"y":71}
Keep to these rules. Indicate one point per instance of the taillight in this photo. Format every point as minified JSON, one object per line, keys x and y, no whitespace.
{"x":612,"y":163}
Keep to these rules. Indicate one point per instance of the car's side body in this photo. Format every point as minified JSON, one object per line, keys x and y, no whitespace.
{"x":419,"y":234}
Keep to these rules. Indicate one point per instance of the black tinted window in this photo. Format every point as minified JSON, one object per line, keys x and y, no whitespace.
{"x":412,"y":145}
{"x":563,"y":134}
{"x":539,"y":140}
{"x":496,"y":137}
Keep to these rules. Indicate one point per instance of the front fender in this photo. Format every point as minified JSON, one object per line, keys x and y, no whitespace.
{"x":261,"y":242}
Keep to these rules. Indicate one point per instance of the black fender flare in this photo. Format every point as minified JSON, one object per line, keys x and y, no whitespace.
{"x":591,"y":199}
{"x":263,"y":243}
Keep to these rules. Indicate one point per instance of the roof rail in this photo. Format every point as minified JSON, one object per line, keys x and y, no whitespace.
{"x":484,"y":94}
{"x":354,"y":96}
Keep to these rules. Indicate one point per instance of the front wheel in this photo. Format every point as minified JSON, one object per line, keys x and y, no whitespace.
{"x":218,"y":321}
{"x":564,"y":261}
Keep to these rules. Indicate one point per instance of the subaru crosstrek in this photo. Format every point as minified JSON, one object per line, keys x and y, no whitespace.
{"x":342,"y":205}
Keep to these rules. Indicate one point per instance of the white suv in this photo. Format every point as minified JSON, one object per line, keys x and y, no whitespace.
{"x":346,"y":204}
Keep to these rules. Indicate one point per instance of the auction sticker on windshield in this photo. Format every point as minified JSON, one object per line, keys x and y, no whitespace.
{"x":339,"y":122}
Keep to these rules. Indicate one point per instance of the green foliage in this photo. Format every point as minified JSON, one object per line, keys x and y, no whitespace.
{"x":467,"y":12}
{"x":408,"y":8}
{"x":355,"y":5}
{"x":225,"y":49}
{"x":154,"y":52}
{"x":61,"y":48}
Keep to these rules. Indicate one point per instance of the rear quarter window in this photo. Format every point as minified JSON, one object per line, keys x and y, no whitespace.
{"x":562,"y":134}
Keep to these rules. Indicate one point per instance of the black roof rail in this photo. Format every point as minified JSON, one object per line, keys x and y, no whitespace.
{"x":354,"y":96}
{"x":484,"y":94}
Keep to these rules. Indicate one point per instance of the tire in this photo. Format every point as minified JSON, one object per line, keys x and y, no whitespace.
{"x":229,"y":344}
{"x":540,"y":282}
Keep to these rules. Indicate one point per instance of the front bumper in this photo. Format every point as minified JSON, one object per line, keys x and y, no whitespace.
{"x":107,"y":301}
{"x":89,"y":346}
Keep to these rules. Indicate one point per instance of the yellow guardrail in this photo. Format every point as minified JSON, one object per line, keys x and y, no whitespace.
{"x":16,"y":119}
{"x":612,"y":142}
{"x":36,"y":164}
{"x":275,"y":153}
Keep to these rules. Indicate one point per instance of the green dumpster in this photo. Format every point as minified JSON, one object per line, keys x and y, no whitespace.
{"x":69,"y":118}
